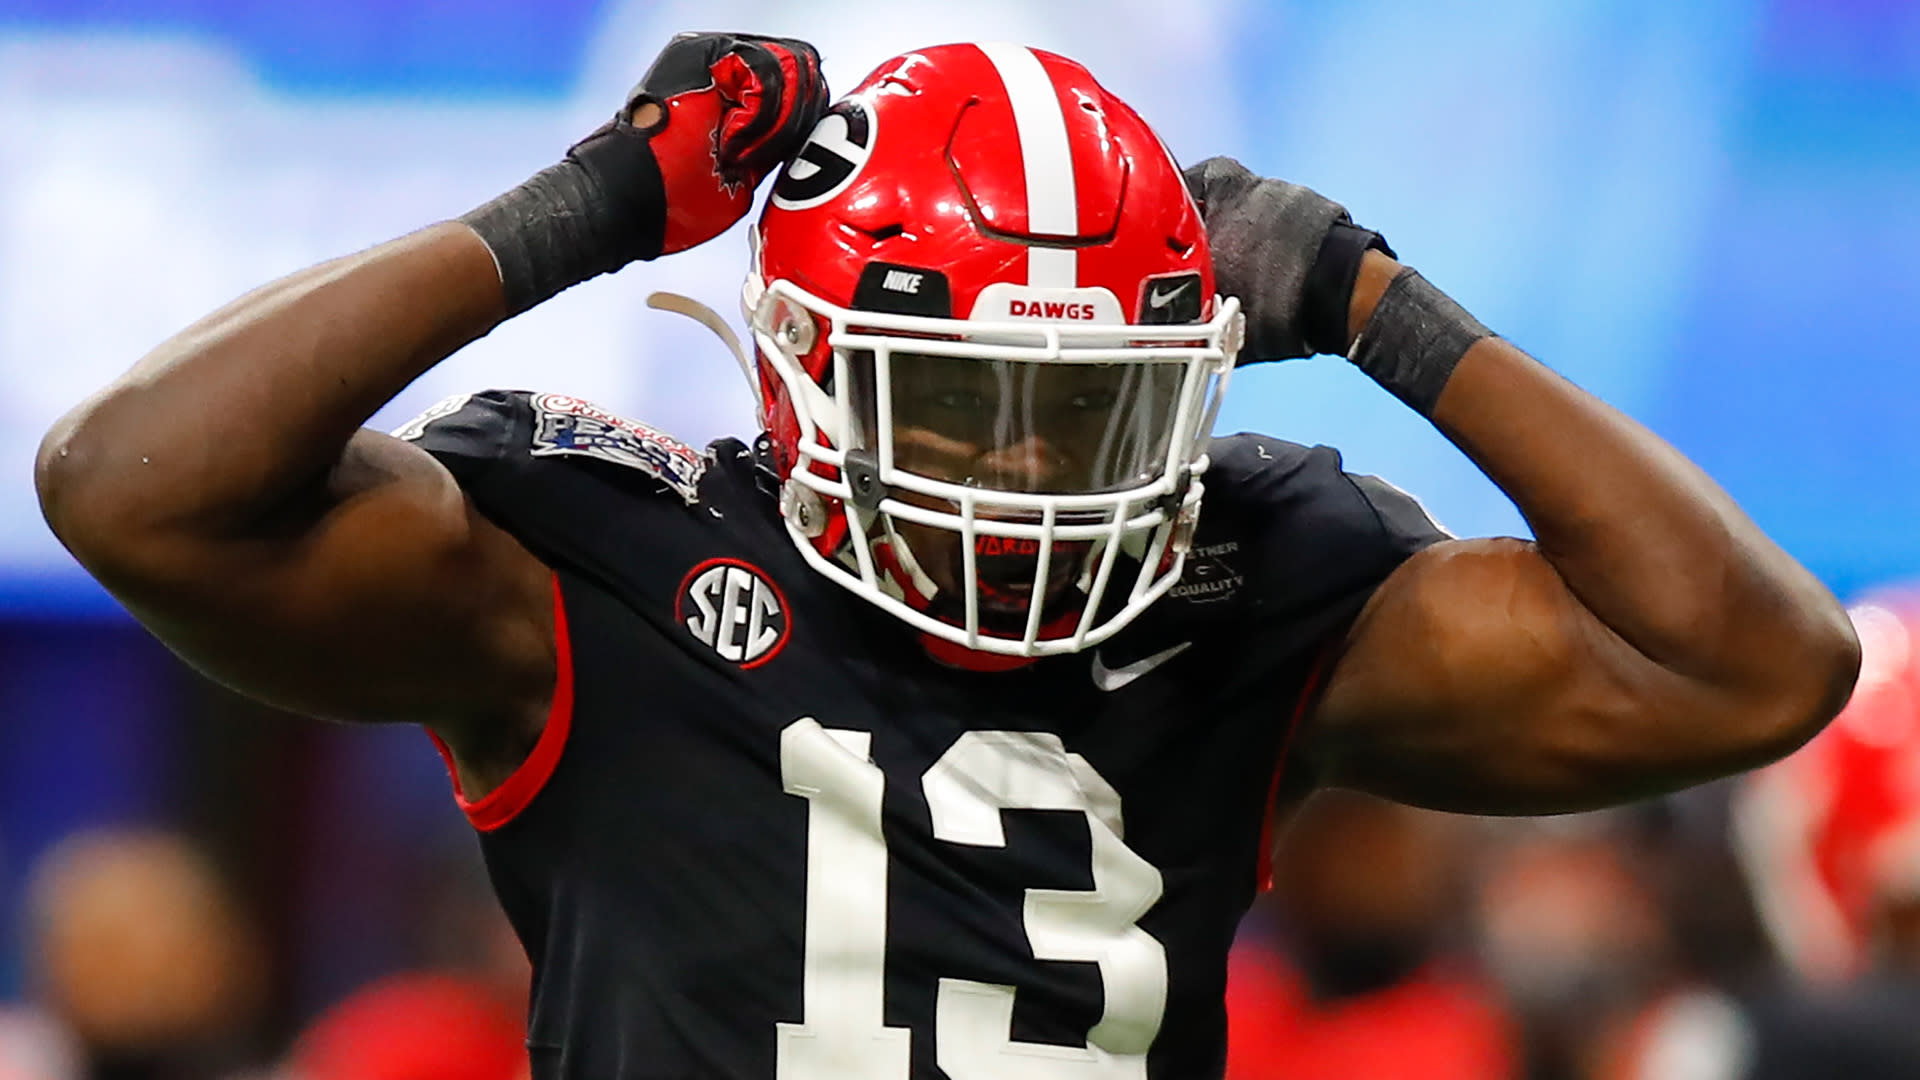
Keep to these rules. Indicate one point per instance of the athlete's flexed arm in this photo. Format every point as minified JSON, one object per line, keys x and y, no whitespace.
{"x":1651,"y":637}
{"x":223,"y":488}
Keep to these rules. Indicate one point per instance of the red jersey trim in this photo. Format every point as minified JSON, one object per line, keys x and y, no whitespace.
{"x":1263,"y":870}
{"x":504,"y":803}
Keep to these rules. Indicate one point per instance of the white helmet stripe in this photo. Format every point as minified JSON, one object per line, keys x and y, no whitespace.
{"x":1047,"y":160}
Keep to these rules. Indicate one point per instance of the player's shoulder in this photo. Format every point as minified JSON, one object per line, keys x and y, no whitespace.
{"x":1309,"y":489}
{"x":1288,"y":549}
{"x":589,"y":490}
{"x":1285,"y":529}
{"x":531,"y":432}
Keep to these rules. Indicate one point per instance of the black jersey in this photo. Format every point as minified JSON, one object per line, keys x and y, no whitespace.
{"x":765,"y":836}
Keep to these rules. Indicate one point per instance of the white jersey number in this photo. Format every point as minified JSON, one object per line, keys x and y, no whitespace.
{"x":844,"y":973}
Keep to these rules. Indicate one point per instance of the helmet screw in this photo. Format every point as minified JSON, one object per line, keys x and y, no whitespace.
{"x":804,"y":509}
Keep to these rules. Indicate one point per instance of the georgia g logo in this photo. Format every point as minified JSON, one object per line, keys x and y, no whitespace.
{"x":840,"y":145}
{"x":733,"y":608}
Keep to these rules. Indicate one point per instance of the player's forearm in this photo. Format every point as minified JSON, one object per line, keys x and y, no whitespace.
{"x":238,"y":413}
{"x":236,"y":417}
{"x":1640,"y":535}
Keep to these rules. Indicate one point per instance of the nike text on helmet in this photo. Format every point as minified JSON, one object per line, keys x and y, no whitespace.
{"x":989,"y":350}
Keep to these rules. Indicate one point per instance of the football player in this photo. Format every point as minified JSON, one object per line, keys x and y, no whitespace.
{"x":933,"y":732}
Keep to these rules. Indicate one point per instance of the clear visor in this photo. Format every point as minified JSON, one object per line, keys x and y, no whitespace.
{"x":1016,"y":426}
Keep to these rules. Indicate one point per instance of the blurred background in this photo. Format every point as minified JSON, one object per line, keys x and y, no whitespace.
{"x":1705,"y":212}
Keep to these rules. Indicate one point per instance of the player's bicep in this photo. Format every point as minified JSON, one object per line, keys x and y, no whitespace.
{"x":385,"y":596}
{"x":1475,"y":681}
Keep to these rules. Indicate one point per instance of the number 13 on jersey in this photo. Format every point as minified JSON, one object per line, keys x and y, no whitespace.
{"x":844,"y":1034}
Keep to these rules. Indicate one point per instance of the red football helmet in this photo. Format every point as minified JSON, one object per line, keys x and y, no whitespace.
{"x":989,"y":350}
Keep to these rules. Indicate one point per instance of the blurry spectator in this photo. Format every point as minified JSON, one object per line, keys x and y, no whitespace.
{"x":1832,"y":838}
{"x":1572,"y":928}
{"x":1818,"y":831}
{"x":1341,"y":973}
{"x":467,"y":935}
{"x":33,"y":1047}
{"x":414,"y":1027}
{"x":462,"y":1019}
{"x":142,"y":967}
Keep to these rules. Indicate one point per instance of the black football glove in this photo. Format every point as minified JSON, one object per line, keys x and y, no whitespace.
{"x":1290,"y":254}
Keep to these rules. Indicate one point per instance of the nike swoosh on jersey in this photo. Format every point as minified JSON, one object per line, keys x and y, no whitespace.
{"x":1111,"y":679}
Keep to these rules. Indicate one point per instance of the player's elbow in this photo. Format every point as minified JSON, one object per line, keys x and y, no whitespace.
{"x":1766,"y":665}
{"x":84,"y":495}
{"x":60,"y":477}
{"x":1816,"y":679}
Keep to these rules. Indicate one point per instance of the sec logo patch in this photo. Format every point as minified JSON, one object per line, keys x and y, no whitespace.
{"x":733,"y":608}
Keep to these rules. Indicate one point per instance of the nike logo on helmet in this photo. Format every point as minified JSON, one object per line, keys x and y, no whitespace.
{"x":1157,"y":299}
{"x":1111,"y":679}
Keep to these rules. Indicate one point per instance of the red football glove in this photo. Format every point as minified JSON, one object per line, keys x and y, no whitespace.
{"x":736,"y":106}
{"x":733,"y":107}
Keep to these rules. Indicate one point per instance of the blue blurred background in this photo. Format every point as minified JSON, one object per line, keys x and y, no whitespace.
{"x":1707,"y":213}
